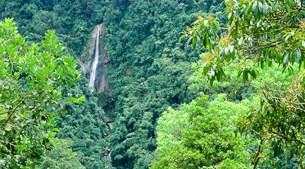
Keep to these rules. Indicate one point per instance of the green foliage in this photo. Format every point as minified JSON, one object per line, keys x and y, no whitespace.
{"x":258,"y":34}
{"x":72,"y":20}
{"x":85,"y":126}
{"x":261,"y":34}
{"x":201,"y":135}
{"x":60,"y":157}
{"x":279,"y":124}
{"x":31,"y":78}
{"x":237,"y":90}
{"x":149,"y":70}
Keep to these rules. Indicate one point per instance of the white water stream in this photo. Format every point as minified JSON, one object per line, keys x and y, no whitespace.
{"x":95,"y":62}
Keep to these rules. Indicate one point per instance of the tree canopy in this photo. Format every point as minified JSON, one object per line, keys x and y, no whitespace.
{"x":148,"y":71}
{"x":260,"y":34}
{"x":31,"y":91}
{"x":60,"y":157}
{"x":201,"y":134}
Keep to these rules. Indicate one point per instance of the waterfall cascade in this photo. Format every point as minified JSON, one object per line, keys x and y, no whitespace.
{"x":95,"y":62}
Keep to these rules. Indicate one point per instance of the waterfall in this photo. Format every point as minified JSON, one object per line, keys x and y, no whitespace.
{"x":95,"y":62}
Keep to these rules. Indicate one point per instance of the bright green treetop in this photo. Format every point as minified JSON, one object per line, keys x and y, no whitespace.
{"x":201,"y":135}
{"x":30,"y":93}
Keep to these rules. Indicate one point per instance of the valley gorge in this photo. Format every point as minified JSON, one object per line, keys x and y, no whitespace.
{"x":159,"y":84}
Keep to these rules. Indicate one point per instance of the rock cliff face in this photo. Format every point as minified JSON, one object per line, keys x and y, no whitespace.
{"x":87,"y":57}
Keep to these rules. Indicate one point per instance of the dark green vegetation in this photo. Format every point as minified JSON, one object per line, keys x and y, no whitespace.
{"x":151,"y":71}
{"x":238,"y":123}
{"x":83,"y":124}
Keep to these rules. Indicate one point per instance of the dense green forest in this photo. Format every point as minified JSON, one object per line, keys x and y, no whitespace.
{"x":180,"y":84}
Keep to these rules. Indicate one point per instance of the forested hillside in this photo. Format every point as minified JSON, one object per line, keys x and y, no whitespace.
{"x":82,"y":125}
{"x":189,"y":84}
{"x":149,"y":71}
